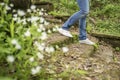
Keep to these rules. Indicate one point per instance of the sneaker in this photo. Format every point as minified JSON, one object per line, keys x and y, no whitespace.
{"x":87,"y":41}
{"x":65,"y":32}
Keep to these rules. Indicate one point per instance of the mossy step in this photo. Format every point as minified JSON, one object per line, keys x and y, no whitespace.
{"x":114,"y":40}
{"x":53,"y":20}
{"x":60,"y":40}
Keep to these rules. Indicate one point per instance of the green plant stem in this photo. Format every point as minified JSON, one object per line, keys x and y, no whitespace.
{"x":12,"y":29}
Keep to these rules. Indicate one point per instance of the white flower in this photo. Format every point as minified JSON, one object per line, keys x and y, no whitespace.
{"x":32,"y":7}
{"x":43,"y":36}
{"x":56,"y":46}
{"x":40,"y":56}
{"x":14,"y":42}
{"x":41,"y":27}
{"x":49,"y":49}
{"x":52,"y":49}
{"x":65,"y":49}
{"x":43,"y":44}
{"x":46,"y":23}
{"x":7,"y":7}
{"x":28,"y":19}
{"x":19,"y":20}
{"x":17,"y":46}
{"x":2,"y":4}
{"x":29,"y":10}
{"x":15,"y":15}
{"x":21,"y":13}
{"x":49,"y":31}
{"x":14,"y":10}
{"x":38,"y":9}
{"x":35,"y":70}
{"x":54,"y":29}
{"x":42,"y":9}
{"x":27,"y":33}
{"x":46,"y":14}
{"x":41,"y":19}
{"x":11,"y":5}
{"x":40,"y":47}
{"x":38,"y":68}
{"x":40,"y":13}
{"x":67,"y":66}
{"x":31,"y":59}
{"x":39,"y":30}
{"x":57,"y":27}
{"x":34,"y":18}
{"x":10,"y":59}
{"x":15,"y":18}
{"x":36,"y":43}
{"x":23,"y":21}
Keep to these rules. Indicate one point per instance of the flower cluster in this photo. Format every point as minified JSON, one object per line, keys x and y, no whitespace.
{"x":10,"y":58}
{"x":15,"y":42}
{"x":28,"y":33}
{"x":35,"y":70}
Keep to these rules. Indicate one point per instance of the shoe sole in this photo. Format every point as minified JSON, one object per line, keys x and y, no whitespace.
{"x":64,"y":34}
{"x":86,"y":43}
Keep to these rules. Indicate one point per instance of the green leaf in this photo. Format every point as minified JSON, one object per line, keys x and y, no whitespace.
{"x":82,"y":72}
{"x":5,"y":78}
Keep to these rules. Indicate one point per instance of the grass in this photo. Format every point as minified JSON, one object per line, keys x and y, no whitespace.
{"x":105,"y":13}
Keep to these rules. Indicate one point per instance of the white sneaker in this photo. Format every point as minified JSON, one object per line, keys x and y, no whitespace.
{"x":65,"y":32}
{"x":87,"y":41}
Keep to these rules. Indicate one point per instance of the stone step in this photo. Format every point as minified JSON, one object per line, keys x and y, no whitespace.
{"x":60,"y":40}
{"x":84,"y":57}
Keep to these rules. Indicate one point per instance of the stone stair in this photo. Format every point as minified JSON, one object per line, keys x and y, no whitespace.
{"x":81,"y":62}
{"x":97,"y":62}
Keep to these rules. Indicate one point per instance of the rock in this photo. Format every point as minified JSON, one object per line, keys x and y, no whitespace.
{"x":105,"y":53}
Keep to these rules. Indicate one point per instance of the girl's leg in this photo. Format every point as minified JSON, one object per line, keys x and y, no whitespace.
{"x":82,"y":29}
{"x":84,"y":6}
{"x":84,"y":10}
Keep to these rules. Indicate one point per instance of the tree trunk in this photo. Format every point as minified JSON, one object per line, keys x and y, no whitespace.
{"x":22,"y":4}
{"x":42,"y":4}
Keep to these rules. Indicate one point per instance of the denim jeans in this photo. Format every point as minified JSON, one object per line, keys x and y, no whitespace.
{"x":79,"y":16}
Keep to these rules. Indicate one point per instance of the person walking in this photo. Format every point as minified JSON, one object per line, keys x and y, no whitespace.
{"x":81,"y":17}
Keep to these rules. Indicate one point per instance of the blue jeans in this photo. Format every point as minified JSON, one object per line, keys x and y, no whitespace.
{"x":81,"y":16}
